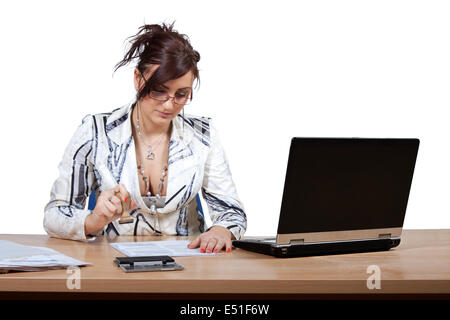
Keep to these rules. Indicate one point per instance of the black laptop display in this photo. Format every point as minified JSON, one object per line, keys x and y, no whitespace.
{"x":341,"y":195}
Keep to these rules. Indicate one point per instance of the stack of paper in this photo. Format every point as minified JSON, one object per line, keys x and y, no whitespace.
{"x":17,"y":257}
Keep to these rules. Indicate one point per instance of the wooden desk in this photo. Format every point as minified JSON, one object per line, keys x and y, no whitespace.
{"x":420,"y":265}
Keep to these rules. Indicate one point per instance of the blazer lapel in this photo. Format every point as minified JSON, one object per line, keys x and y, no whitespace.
{"x":182,"y":166}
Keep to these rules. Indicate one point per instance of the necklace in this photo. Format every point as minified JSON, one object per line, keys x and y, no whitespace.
{"x":150,"y":153}
{"x":151,"y":201}
{"x":146,"y":179}
{"x":156,"y":201}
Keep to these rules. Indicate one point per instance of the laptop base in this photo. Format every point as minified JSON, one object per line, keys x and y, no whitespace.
{"x":317,"y":248}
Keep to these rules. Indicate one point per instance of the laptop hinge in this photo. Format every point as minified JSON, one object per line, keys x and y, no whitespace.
{"x":297,"y":241}
{"x":384,"y":236}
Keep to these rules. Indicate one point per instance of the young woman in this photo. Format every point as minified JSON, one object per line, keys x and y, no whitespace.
{"x":152,"y":153}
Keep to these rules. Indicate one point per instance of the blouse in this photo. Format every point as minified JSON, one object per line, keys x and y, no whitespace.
{"x":101,"y":154}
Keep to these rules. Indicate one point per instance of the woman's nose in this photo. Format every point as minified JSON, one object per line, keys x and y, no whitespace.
{"x":170,"y":103}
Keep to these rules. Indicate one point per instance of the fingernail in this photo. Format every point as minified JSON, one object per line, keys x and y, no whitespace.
{"x":202,"y":250}
{"x":228,"y":249}
{"x":215,"y":250}
{"x":125,"y":199}
{"x":208,"y":251}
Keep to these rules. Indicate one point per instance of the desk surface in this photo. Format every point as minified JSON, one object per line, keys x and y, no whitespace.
{"x":420,"y":265}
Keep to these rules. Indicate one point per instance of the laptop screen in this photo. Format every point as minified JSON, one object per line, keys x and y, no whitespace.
{"x":335,"y":184}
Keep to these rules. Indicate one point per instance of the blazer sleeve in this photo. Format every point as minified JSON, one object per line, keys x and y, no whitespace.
{"x":219,"y":191}
{"x":64,"y":214}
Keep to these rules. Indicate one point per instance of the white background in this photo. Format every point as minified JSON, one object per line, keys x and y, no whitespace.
{"x":269,"y":71}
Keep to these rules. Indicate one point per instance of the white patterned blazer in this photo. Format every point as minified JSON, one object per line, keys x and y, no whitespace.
{"x":101,"y":154}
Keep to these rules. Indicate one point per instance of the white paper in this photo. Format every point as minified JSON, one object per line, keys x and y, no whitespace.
{"x":9,"y":250}
{"x":14,"y":256}
{"x":172,"y":248}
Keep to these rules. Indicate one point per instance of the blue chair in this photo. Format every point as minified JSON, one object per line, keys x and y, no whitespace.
{"x":92,"y":201}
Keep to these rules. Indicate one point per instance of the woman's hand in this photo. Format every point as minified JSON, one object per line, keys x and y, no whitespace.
{"x":214,"y":240}
{"x":107,"y":208}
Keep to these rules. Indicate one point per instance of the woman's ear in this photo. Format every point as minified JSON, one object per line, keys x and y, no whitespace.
{"x":137,"y":79}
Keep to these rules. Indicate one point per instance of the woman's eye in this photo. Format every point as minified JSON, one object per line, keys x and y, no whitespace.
{"x":181,"y":94}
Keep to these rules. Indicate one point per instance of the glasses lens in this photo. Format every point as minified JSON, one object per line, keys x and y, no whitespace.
{"x":182,"y":100}
{"x":161,"y":96}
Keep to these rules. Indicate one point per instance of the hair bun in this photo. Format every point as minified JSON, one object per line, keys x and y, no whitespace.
{"x":196,"y":56}
{"x":150,"y":29}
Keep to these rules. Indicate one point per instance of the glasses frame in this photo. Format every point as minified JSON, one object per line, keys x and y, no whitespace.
{"x":166,"y":96}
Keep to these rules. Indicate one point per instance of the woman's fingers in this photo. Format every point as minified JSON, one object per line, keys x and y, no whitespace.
{"x":109,"y":205}
{"x":194,"y":244}
{"x":117,"y":204}
{"x":210,"y":245}
{"x":228,"y":245}
{"x":115,"y":201}
{"x":112,"y":209}
{"x":212,"y":241}
{"x":123,"y":192}
{"x":220,"y":244}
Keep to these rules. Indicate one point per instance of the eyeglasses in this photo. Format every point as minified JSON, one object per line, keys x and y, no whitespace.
{"x":179,"y":98}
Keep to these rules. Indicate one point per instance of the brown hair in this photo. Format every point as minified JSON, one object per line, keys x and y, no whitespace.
{"x":163,"y":46}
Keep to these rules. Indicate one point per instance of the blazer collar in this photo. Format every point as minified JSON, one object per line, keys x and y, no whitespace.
{"x":118,"y":126}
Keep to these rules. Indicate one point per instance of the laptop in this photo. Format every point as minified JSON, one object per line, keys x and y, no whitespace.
{"x":341,"y":195}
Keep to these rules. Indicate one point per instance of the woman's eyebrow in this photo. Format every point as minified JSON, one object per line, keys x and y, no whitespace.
{"x":166,"y":87}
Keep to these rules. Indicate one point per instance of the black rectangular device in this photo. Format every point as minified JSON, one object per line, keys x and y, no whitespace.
{"x":341,"y":195}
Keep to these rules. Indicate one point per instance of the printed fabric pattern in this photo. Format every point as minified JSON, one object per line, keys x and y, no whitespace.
{"x":101,"y":154}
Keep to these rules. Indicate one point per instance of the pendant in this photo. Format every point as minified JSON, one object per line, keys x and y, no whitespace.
{"x":150,"y":154}
{"x":154,"y":202}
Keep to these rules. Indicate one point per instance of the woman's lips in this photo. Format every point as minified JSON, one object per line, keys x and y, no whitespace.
{"x":163,"y":114}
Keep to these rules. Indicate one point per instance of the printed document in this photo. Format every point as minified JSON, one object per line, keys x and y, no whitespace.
{"x":171,"y":248}
{"x":18,"y":257}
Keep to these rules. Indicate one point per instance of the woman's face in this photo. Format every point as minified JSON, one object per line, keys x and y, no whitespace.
{"x":161,"y":113}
